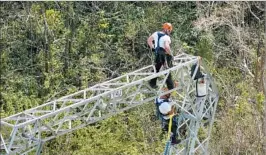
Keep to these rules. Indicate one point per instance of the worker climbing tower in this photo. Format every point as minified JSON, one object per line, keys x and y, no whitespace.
{"x":27,"y":131}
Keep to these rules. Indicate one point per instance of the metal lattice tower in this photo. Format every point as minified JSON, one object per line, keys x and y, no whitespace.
{"x":27,"y":131}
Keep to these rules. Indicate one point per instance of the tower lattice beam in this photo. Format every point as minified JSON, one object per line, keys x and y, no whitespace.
{"x":27,"y":131}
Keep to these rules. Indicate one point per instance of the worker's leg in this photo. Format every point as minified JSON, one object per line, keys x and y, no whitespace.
{"x":199,"y":101}
{"x":159,"y":60}
{"x":169,"y":81}
{"x":154,"y":80}
{"x":169,"y":60}
{"x":173,"y":130}
{"x":174,"y":138}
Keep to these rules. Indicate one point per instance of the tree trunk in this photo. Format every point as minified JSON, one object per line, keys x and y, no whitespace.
{"x":257,"y":75}
{"x":68,"y":46}
{"x":71,"y":26}
{"x":46,"y":41}
{"x":264,"y":91}
{"x":263,"y":79}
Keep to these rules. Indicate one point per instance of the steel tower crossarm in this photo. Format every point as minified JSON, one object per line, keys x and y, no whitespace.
{"x":27,"y":131}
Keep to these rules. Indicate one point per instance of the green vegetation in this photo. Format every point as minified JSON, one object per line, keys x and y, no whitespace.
{"x":50,"y":49}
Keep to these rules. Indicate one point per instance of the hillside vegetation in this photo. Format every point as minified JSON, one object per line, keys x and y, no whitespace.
{"x":50,"y":49}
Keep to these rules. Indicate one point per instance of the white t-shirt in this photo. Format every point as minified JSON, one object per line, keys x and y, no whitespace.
{"x":162,"y":40}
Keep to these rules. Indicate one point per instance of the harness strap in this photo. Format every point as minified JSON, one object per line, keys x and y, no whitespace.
{"x":170,"y":126}
{"x":159,"y":37}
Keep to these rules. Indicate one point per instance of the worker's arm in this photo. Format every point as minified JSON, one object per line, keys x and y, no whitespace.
{"x":149,"y":41}
{"x":173,"y":110}
{"x":167,"y":47}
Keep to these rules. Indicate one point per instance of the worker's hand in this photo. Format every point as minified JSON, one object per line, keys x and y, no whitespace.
{"x":170,"y":57}
{"x":173,"y":110}
{"x":167,"y":52}
{"x":170,"y":54}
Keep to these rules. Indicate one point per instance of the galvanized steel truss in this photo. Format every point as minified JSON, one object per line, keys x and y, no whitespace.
{"x":27,"y":131}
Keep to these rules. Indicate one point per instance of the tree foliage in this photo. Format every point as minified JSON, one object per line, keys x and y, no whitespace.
{"x":50,"y":49}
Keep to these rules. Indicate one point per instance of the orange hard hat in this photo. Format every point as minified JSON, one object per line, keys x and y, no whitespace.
{"x":167,"y":26}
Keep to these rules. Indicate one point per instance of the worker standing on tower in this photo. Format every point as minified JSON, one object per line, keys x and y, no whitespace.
{"x":163,"y":55}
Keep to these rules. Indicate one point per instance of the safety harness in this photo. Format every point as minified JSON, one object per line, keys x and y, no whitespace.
{"x":159,"y":34}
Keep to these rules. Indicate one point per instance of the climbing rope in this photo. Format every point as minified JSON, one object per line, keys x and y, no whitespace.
{"x":169,"y":135}
{"x":170,"y":126}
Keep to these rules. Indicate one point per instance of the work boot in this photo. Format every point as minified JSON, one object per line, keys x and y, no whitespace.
{"x":175,"y":141}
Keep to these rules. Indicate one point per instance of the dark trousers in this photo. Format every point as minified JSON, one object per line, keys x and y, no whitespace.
{"x":173,"y":128}
{"x":160,"y":59}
